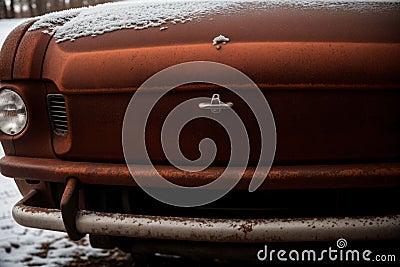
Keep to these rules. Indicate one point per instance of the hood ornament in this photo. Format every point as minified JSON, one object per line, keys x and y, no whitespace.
{"x":216,"y":105}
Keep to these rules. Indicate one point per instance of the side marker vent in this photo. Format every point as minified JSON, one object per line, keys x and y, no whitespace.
{"x":58,"y":114}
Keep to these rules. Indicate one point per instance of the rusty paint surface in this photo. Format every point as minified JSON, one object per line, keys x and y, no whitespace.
{"x":69,"y":208}
{"x":9,"y":49}
{"x":280,"y":177}
{"x":336,"y":69}
{"x":29,"y":56}
{"x":314,"y":123}
{"x":330,"y":78}
{"x":271,"y":63}
{"x":298,"y":47}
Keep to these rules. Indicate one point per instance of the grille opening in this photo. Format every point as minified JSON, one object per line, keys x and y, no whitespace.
{"x":259,"y":204}
{"x":241,"y":204}
{"x":58,"y":114}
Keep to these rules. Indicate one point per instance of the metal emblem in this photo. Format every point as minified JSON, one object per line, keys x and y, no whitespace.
{"x":216,"y":105}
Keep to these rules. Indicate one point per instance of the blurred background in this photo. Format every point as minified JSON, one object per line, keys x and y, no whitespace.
{"x":30,"y":8}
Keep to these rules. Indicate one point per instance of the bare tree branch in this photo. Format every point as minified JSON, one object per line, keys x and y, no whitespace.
{"x":3,"y":9}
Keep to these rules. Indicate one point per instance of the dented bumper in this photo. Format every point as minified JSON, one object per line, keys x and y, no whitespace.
{"x":32,"y":212}
{"x":215,"y":230}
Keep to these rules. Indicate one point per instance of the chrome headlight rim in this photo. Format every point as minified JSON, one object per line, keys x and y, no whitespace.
{"x":19,"y":108}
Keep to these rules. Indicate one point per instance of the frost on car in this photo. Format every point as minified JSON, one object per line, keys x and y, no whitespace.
{"x":329,"y":71}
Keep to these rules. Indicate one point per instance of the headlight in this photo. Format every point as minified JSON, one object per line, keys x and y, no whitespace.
{"x":13,"y":114}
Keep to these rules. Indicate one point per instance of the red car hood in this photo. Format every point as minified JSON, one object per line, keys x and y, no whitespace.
{"x":273,"y":44}
{"x":330,"y":75}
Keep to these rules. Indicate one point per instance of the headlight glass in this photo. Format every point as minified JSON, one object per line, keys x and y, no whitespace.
{"x":13,"y":114}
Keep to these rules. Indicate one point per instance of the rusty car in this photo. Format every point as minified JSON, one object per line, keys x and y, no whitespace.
{"x":328,"y":69}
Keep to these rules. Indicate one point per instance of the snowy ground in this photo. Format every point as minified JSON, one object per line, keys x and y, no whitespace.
{"x":20,"y":246}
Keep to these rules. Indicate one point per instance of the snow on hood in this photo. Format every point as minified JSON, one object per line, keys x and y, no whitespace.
{"x":142,"y":14}
{"x":220,"y":39}
{"x":92,"y":21}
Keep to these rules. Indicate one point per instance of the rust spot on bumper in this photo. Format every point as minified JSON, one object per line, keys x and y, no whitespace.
{"x":214,"y":230}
